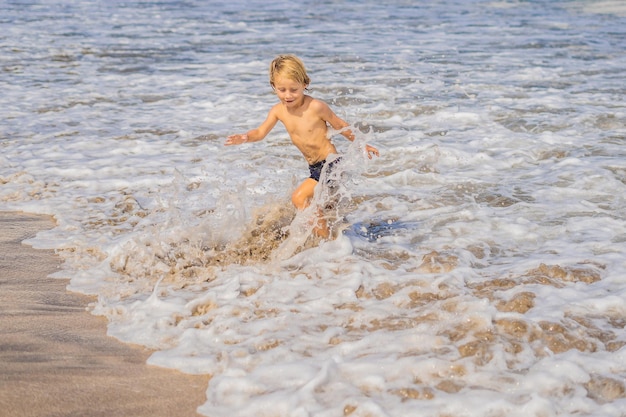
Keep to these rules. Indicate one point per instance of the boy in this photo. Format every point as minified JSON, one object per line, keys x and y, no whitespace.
{"x":306,"y":120}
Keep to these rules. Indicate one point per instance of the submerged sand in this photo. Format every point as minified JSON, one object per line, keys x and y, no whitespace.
{"x":56,"y":359}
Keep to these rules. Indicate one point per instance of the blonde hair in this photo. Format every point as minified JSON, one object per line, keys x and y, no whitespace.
{"x":289,"y":66}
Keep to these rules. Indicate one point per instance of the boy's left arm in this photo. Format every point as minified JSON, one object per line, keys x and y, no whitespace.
{"x":338,"y":123}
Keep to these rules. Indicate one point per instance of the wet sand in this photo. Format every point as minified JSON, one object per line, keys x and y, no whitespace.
{"x":56,"y":359}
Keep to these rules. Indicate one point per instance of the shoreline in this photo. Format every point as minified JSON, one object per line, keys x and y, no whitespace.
{"x":57,"y":360}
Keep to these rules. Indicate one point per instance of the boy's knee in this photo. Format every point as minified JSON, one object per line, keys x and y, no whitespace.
{"x":300,"y":199}
{"x":302,"y":195}
{"x":297,"y":199}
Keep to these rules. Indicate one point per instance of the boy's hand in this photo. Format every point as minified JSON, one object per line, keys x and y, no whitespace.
{"x":371,"y":151}
{"x":236,"y":139}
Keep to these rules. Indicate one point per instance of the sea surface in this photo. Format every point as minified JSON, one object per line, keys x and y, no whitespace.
{"x":477,"y":267}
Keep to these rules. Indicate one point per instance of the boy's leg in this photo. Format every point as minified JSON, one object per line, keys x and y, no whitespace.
{"x":301,"y":198}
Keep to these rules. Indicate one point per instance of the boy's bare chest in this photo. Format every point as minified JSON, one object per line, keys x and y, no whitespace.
{"x":303,"y":125}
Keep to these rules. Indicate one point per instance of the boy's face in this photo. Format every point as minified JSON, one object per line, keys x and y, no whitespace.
{"x":289,"y":92}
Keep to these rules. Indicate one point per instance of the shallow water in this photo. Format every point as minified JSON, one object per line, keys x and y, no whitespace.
{"x":478,"y":265}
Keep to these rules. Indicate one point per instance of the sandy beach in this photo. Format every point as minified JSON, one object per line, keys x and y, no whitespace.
{"x":56,"y":359}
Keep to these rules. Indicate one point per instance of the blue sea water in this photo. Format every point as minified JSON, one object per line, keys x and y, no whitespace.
{"x":478,"y":266}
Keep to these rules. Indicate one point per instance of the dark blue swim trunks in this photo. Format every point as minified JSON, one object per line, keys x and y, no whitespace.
{"x":316,"y":168}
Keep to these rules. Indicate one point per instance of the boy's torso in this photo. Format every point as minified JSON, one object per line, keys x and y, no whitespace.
{"x":308,"y":131}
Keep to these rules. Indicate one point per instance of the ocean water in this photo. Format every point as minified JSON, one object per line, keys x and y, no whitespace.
{"x":478,"y":266}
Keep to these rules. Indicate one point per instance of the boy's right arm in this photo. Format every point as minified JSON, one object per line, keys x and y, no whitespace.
{"x":257,"y":134}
